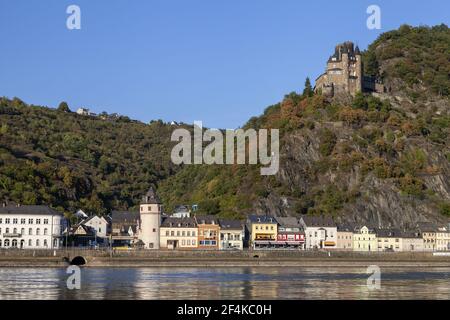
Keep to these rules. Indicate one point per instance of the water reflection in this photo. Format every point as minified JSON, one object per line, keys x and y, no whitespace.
{"x":224,"y":283}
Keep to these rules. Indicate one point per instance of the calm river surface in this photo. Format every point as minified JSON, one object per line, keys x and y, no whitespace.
{"x":224,"y":283}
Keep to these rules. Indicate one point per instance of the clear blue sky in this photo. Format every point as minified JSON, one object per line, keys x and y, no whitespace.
{"x":219,"y":61}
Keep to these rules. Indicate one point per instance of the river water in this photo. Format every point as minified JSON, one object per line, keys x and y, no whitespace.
{"x":224,"y":283}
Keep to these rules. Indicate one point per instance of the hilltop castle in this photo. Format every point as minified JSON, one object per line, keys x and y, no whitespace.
{"x":345,"y":73}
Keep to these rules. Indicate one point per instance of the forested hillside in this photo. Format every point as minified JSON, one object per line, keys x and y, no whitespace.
{"x":71,"y":161}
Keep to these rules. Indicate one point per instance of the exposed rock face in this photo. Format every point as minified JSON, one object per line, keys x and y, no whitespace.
{"x":379,"y":202}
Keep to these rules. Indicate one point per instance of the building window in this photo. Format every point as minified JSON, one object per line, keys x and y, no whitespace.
{"x":6,"y":243}
{"x":30,"y":221}
{"x":38,"y":231}
{"x":15,"y":230}
{"x":178,"y":233}
{"x":45,"y":221}
{"x":188,"y":233}
{"x":193,"y":234}
{"x":22,"y":221}
{"x":45,"y":231}
{"x":45,"y":243}
{"x":38,"y":221}
{"x":22,"y":231}
{"x":172,"y":233}
{"x":30,"y":231}
{"x":7,"y":221}
{"x":15,"y":221}
{"x":1,"y":220}
{"x":29,"y":243}
{"x":167,"y":233}
{"x":154,"y":230}
{"x":37,"y":243}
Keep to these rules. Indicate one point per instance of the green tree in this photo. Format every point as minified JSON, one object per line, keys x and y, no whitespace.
{"x":360,"y":101}
{"x":308,"y":91}
{"x":370,"y":63}
{"x":63,"y":107}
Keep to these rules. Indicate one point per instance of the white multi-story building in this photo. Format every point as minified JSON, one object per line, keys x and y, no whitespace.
{"x":31,"y":227}
{"x":232,"y":235}
{"x":182,"y":212}
{"x":98,"y":224}
{"x":320,"y":232}
{"x":178,"y":233}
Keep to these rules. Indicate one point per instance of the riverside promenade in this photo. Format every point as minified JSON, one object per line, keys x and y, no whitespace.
{"x":197,"y":258}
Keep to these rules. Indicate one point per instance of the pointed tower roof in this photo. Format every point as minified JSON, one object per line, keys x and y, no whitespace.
{"x":357,"y":51}
{"x":151,"y":197}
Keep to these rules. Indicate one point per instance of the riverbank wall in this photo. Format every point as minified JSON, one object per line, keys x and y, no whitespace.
{"x":246,"y":258}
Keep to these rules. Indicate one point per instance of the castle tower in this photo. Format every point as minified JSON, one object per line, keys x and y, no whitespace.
{"x":345,"y":69}
{"x":359,"y":70}
{"x":150,"y":211}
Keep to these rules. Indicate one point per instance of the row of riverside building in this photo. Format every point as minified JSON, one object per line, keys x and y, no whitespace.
{"x":40,"y":227}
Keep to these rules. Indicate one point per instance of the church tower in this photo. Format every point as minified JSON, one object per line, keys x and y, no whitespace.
{"x":150,"y":211}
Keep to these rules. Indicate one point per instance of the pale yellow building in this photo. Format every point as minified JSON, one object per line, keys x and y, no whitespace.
{"x":442,"y":239}
{"x":264,"y":230}
{"x":389,"y":240}
{"x":178,"y":233}
{"x":344,"y":237}
{"x":428,"y":233}
{"x":365,"y":239}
